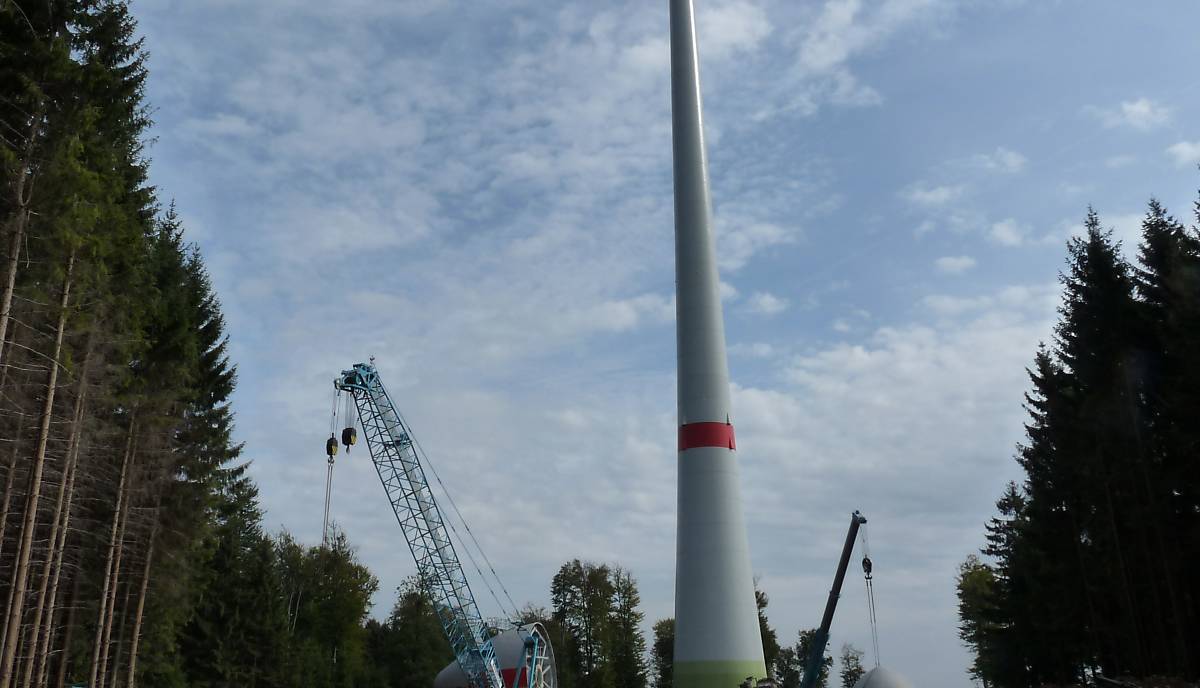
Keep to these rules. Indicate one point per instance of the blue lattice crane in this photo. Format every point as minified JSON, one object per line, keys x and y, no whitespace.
{"x":525,"y":658}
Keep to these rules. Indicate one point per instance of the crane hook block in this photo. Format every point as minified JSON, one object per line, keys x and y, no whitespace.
{"x":867,"y":567}
{"x":349,"y":437}
{"x":331,"y":446}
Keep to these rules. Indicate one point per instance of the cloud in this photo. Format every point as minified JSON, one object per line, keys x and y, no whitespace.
{"x":932,"y":196}
{"x":732,"y":26}
{"x":621,"y":315}
{"x":824,"y":45}
{"x":737,"y":245}
{"x":954,"y":265}
{"x":1142,"y":114}
{"x":1185,"y":153}
{"x":1001,"y":160}
{"x":1126,"y":228}
{"x":489,"y":213}
{"x":1008,"y":232}
{"x":728,"y":292}
{"x":765,"y":303}
{"x":221,"y":124}
{"x":1009,"y":298}
{"x":752,"y":350}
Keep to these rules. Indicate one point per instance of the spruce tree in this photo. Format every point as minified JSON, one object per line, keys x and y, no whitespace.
{"x":1168,"y":284}
{"x":627,"y":645}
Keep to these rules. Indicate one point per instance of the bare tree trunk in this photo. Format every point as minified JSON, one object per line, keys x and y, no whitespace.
{"x":112,"y":549}
{"x":141,"y":607}
{"x":65,"y":485}
{"x":12,"y":474}
{"x":64,"y":522}
{"x":35,"y":485}
{"x":113,"y":676}
{"x":116,"y":584}
{"x":19,"y":222}
{"x":64,"y":662}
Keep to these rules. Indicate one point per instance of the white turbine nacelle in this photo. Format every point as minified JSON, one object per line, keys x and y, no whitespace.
{"x":512,"y":655}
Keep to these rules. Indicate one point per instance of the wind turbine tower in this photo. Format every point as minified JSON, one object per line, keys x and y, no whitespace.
{"x":717,"y":638}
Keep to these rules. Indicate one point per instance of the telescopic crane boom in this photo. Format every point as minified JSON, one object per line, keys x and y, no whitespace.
{"x":817,"y":649}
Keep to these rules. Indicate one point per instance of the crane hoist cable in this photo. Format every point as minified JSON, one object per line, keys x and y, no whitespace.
{"x":331,"y":449}
{"x":455,"y":534}
{"x":466,"y":526}
{"x":868,"y":577}
{"x":403,"y":476}
{"x":349,"y":438}
{"x":349,"y":434}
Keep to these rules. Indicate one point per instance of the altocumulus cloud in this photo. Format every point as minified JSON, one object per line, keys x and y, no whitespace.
{"x":480,"y":194}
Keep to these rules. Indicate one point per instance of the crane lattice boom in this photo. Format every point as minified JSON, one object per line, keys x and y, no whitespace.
{"x":438,"y":568}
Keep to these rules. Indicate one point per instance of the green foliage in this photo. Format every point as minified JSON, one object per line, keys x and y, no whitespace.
{"x":770,"y":641}
{"x":1089,"y":560}
{"x":408,"y":649}
{"x":596,"y":607}
{"x":851,"y":665}
{"x":789,"y":667}
{"x":804,"y":641}
{"x":662,"y":653}
{"x":627,"y":647}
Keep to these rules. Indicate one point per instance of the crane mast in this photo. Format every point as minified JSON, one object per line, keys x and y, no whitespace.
{"x":816,"y":649}
{"x":438,"y":568}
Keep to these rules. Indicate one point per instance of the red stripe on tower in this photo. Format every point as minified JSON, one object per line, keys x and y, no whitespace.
{"x":692,"y":435}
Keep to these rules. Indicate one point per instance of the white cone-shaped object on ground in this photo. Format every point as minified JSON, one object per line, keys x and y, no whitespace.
{"x":717,"y":640}
{"x":879,"y":677}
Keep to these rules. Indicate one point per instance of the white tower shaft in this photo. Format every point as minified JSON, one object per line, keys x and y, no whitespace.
{"x":717,"y":638}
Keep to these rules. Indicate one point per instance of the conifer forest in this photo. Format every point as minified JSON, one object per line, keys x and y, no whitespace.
{"x":1090,"y":560}
{"x":133,"y":550}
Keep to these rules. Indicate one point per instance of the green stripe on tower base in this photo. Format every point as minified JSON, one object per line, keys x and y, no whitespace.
{"x":722,"y":674}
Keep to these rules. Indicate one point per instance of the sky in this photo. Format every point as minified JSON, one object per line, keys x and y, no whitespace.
{"x":479,"y":195}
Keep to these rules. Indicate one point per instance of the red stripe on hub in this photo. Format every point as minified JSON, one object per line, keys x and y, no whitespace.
{"x":692,"y":435}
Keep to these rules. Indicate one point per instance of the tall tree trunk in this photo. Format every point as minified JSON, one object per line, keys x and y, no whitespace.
{"x":141,"y":607}
{"x":65,"y":485}
{"x":67,"y":627}
{"x":116,"y":585}
{"x":113,"y":676}
{"x":35,"y":485}
{"x":64,"y":522}
{"x":112,"y":550}
{"x":64,"y":661}
{"x":20,"y":220}
{"x":10,"y":478}
{"x":8,"y":487}
{"x":1133,"y":632}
